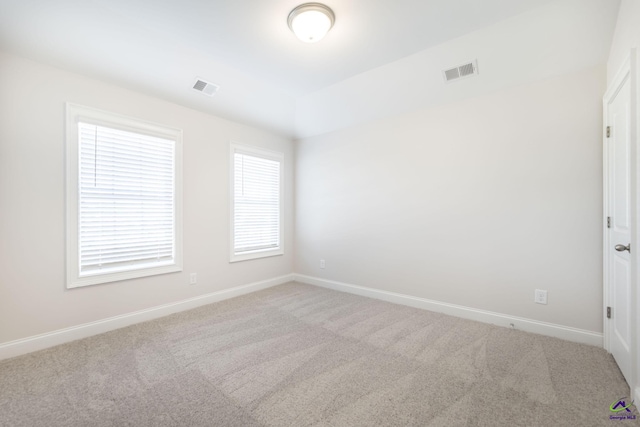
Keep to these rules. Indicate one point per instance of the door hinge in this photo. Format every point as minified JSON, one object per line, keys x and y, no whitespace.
{"x":608,"y":222}
{"x":608,"y":312}
{"x":608,"y":131}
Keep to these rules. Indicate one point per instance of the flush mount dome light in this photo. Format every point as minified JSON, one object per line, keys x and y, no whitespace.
{"x":311,"y":21}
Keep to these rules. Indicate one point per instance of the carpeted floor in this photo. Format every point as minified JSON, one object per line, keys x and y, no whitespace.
{"x":298,"y":355}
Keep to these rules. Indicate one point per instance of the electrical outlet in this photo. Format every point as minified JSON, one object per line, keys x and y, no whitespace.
{"x":193,"y":278}
{"x":540,"y":297}
{"x":322,"y":263}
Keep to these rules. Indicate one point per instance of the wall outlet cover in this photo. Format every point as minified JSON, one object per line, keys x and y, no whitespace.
{"x":540,"y":296}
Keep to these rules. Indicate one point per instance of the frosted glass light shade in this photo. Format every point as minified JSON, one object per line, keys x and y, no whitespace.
{"x":310,"y":22}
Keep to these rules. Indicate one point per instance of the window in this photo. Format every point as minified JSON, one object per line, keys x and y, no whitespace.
{"x":124,"y":198}
{"x":256,"y":203}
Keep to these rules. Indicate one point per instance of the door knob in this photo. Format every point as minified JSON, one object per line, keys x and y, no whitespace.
{"x":622,"y":248}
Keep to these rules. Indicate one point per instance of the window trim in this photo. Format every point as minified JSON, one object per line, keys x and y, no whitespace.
{"x":74,"y":114}
{"x":264,"y":153}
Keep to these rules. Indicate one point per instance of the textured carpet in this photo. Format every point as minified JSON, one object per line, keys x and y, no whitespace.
{"x":298,"y":355}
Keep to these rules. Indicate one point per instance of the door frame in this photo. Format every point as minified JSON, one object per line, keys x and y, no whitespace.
{"x":628,"y":71}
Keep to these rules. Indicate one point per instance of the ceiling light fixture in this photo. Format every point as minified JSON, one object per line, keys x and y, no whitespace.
{"x":311,"y":21}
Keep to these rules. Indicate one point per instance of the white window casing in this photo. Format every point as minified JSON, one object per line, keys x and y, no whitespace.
{"x":124,"y":197}
{"x":256,"y":202}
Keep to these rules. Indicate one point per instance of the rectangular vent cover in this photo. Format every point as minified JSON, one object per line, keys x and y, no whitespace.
{"x":205,"y":87}
{"x":458,"y":73}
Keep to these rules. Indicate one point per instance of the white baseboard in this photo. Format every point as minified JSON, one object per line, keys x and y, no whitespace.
{"x":528,"y":325}
{"x":61,"y":336}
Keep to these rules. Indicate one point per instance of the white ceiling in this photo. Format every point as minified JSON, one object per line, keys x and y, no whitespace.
{"x":159,"y":46}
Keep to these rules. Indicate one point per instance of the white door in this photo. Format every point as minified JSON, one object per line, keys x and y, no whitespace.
{"x":617,"y":245}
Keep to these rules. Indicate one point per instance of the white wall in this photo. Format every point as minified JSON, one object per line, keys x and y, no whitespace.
{"x":476,"y":203}
{"x":625,"y":38}
{"x":33,"y":298}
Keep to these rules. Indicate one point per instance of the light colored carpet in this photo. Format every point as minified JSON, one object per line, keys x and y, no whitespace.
{"x":299,"y":355}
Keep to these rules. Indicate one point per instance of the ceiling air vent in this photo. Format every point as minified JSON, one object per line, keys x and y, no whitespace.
{"x":460,"y":72}
{"x":205,"y":87}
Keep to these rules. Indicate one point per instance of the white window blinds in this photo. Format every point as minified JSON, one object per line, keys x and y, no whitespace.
{"x":126,"y":200}
{"x":256,"y":227}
